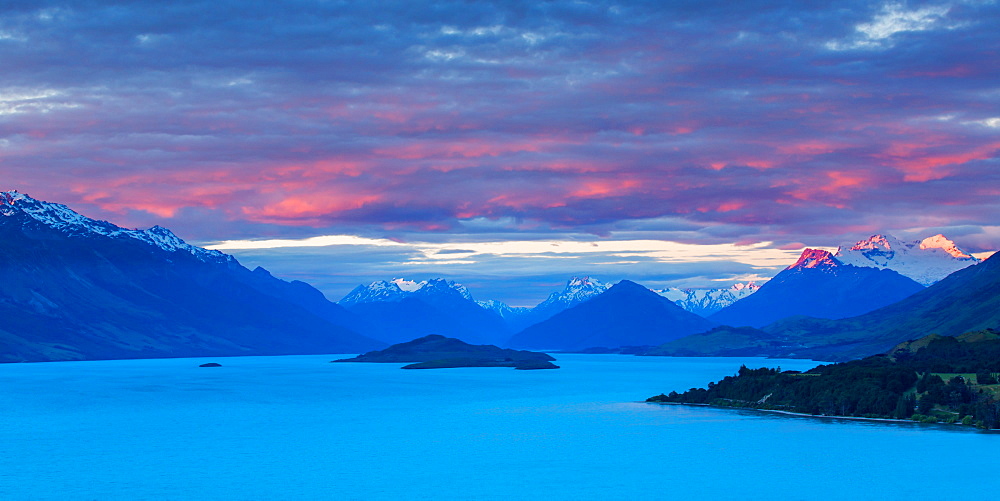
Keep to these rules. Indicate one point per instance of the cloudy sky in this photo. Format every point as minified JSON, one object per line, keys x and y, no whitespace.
{"x":510,"y":144}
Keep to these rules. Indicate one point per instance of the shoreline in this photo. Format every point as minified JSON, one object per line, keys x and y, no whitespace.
{"x":821,"y":416}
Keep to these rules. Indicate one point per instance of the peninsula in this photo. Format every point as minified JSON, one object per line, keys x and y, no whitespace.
{"x":931,"y":379}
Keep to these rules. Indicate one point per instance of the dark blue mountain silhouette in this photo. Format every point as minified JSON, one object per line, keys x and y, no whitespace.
{"x":74,"y":288}
{"x":627,"y":314}
{"x":818,"y":286}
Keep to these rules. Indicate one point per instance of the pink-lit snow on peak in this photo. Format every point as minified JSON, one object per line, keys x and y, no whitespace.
{"x":815,"y":258}
{"x":939,"y":241}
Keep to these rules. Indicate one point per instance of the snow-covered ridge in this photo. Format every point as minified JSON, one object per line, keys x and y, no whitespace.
{"x":577,"y":290}
{"x":815,"y":258}
{"x":704,"y":302}
{"x":407,"y":285}
{"x":940,"y":242}
{"x":925,"y":261}
{"x":399,"y":288}
{"x":503,"y":309}
{"x":62,"y":218}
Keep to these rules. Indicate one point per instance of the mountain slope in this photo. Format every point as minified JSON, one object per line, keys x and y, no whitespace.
{"x":818,"y":285}
{"x":74,"y":288}
{"x":627,"y":314}
{"x":722,"y":341}
{"x":894,"y":385}
{"x":401,"y":310}
{"x":576,"y":291}
{"x":966,"y":300}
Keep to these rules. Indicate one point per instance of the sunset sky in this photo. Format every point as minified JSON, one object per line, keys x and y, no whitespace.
{"x":508,"y":145}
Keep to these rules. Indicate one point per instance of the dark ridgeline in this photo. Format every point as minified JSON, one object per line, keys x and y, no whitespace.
{"x":722,"y":341}
{"x":627,"y":314}
{"x":73,"y":288}
{"x":438,"y":307}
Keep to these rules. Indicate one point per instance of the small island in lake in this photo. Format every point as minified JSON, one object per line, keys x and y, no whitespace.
{"x":932,"y":379}
{"x":439,"y":352}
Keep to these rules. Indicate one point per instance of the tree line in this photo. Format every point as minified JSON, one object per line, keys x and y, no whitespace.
{"x":900,"y":385}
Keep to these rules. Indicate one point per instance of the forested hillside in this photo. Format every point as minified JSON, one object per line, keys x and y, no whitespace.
{"x":933,"y":379}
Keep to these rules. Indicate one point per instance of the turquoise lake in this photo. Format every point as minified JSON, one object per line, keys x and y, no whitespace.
{"x":301,"y":428}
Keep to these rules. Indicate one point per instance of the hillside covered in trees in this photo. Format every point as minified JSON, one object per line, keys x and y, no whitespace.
{"x":932,"y":379}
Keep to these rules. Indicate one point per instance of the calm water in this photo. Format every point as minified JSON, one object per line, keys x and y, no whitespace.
{"x":298,"y":427}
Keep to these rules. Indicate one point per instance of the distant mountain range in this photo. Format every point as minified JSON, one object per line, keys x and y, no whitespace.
{"x":398,"y":289}
{"x":74,"y":288}
{"x":967,"y":300}
{"x":576,"y":291}
{"x":510,"y":314}
{"x":702,"y":302}
{"x":925,"y":261}
{"x":400,"y":310}
{"x":818,"y":285}
{"x":627,"y":314}
{"x":393,"y":304}
{"x":705,"y":302}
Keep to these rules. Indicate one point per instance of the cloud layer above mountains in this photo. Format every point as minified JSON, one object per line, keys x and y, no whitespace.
{"x":694,"y":122}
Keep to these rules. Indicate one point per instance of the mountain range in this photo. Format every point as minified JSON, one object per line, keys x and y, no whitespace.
{"x":402,"y":309}
{"x":399,"y":310}
{"x":398,"y":289}
{"x":75,"y":288}
{"x":925,"y":261}
{"x":818,"y":285}
{"x":576,"y":291}
{"x":627,"y":314}
{"x":705,"y":302}
{"x":392,"y":306}
{"x":967,"y":300}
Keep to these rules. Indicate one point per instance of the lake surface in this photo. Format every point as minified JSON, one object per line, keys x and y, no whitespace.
{"x":301,"y":428}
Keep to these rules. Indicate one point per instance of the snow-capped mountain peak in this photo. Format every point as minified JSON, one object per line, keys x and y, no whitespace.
{"x":925,"y":261}
{"x":441,"y":285}
{"x":749,"y":286}
{"x":407,"y":285}
{"x":9,"y":197}
{"x":815,"y":258}
{"x":877,"y":242}
{"x":399,"y":288}
{"x":503,"y":309}
{"x":584,"y":286}
{"x":577,"y":290}
{"x":939,"y":241}
{"x":374,"y":292}
{"x":704,"y":302}
{"x":66,"y":220}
